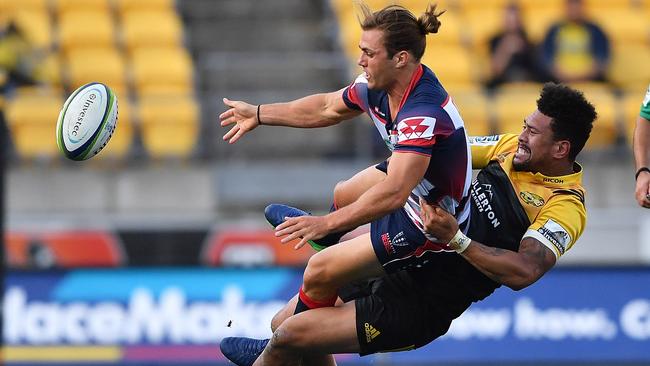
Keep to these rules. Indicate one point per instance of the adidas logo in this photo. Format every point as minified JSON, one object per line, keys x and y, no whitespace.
{"x":371,"y":332}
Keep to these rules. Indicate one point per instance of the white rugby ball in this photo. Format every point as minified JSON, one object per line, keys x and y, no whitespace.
{"x":86,"y":121}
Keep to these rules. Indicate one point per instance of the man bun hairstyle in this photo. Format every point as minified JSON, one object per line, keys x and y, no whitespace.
{"x":573,"y":116}
{"x":428,"y":21}
{"x":402,"y":30}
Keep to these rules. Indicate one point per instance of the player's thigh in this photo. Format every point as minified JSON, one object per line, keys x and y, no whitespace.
{"x":322,"y":331}
{"x":343,"y":263}
{"x":348,"y":191}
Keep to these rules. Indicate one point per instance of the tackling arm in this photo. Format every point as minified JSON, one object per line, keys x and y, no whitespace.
{"x":516,"y":270}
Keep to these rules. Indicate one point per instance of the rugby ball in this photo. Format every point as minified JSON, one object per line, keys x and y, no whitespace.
{"x":86,"y":121}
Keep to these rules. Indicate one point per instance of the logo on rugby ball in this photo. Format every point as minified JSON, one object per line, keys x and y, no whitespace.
{"x":86,"y":121}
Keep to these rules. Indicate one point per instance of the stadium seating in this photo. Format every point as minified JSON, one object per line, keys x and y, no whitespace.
{"x":512,"y":107}
{"x":605,"y":129}
{"x":49,"y":70}
{"x":74,"y":29}
{"x":631,"y":105}
{"x":452,"y":65}
{"x":169,"y":125}
{"x":35,"y":24}
{"x":629,"y":67}
{"x":11,"y":6}
{"x":473,"y":107}
{"x":31,"y":118}
{"x":624,"y":26}
{"x":148,"y":28}
{"x":537,"y":20}
{"x":481,"y":24}
{"x":123,"y":6}
{"x":166,"y":68}
{"x":104,"y":65}
{"x":64,"y":6}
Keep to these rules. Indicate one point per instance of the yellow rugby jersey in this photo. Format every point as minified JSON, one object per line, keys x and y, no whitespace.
{"x":509,"y":205}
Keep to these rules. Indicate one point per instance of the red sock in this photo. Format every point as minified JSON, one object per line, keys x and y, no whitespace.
{"x":306,"y":303}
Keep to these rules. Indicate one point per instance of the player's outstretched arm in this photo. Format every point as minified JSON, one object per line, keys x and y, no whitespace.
{"x":317,"y":110}
{"x":516,"y":270}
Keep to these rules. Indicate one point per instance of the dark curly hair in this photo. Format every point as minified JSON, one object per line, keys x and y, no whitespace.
{"x":573,"y":116}
{"x":402,"y":30}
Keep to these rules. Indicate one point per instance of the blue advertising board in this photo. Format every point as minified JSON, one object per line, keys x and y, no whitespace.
{"x":174,"y":316}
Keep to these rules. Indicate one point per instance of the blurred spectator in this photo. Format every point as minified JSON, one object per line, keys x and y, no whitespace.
{"x":576,"y":49}
{"x":512,"y":55}
{"x":16,"y":57}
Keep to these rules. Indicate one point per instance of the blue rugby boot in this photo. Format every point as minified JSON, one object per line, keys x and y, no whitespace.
{"x":275,"y":214}
{"x":242,"y":351}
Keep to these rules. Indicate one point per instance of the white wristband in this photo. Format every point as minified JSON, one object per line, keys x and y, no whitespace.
{"x":459,"y":242}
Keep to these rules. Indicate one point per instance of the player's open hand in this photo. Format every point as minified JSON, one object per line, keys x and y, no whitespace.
{"x":438,"y":222}
{"x":642,"y":192}
{"x":242,"y":115}
{"x":303,"y":227}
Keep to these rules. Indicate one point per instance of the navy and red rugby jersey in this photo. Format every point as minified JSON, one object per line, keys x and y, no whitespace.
{"x":427,"y":123}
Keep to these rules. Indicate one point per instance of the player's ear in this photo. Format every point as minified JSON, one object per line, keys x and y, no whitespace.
{"x":562,"y":149}
{"x":401,"y":59}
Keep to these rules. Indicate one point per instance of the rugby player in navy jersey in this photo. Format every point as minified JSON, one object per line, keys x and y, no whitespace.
{"x":527,"y":209}
{"x":430,"y":156}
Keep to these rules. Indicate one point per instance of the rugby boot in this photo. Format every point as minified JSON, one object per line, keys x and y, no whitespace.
{"x":242,"y":351}
{"x":275,"y":214}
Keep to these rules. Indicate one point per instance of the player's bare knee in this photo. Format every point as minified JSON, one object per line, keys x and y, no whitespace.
{"x":286,"y":338}
{"x":340,"y":191}
{"x":278,"y":319}
{"x":317,"y":275}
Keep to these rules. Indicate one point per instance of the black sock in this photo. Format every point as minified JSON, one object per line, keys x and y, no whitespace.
{"x":300,"y":307}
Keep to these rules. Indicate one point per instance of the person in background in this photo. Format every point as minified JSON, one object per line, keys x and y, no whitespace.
{"x":641,"y":148}
{"x":512,"y":55}
{"x":576,"y":49}
{"x":17,"y":57}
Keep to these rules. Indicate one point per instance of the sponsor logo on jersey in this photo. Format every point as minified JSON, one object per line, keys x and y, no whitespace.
{"x":371,"y":332}
{"x":553,"y":180}
{"x":556,"y":234}
{"x":482,"y":196}
{"x":483,"y":140}
{"x":532,"y":198}
{"x":385,"y":239}
{"x":399,"y":240}
{"x":416,"y":128}
{"x":646,"y":100}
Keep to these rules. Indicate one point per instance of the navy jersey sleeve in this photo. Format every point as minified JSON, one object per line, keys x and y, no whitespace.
{"x":355,"y":95}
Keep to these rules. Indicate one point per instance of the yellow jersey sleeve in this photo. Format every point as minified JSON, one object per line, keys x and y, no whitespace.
{"x":486,"y":148}
{"x":560,"y":223}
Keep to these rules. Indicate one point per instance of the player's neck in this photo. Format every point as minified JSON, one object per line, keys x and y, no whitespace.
{"x":399,"y":87}
{"x":558,"y":169}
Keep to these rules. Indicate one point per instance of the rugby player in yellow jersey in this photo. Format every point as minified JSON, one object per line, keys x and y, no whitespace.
{"x":527,"y":209}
